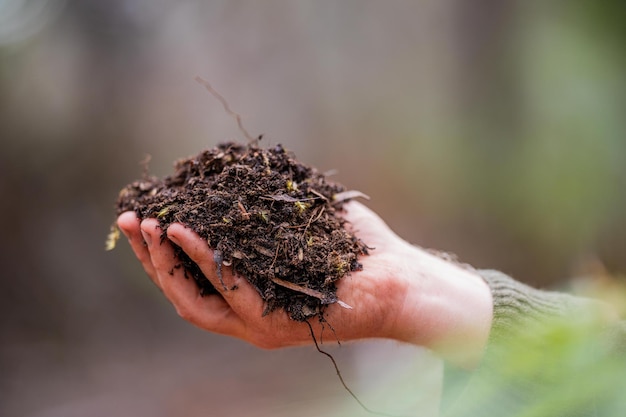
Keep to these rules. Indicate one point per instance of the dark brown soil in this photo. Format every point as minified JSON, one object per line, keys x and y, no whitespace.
{"x":271,"y":218}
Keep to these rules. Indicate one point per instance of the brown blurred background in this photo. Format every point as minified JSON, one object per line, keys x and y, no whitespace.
{"x":491,"y":129}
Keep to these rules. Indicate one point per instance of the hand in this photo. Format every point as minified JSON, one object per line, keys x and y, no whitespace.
{"x":402,"y":293}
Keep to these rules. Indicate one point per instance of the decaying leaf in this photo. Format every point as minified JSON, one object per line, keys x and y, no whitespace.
{"x":112,"y":238}
{"x":348,"y":195}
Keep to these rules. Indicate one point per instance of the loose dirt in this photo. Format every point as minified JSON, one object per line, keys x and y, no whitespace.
{"x":272,"y":219}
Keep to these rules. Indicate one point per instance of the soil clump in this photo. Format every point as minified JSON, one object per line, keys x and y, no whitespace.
{"x":271,"y":218}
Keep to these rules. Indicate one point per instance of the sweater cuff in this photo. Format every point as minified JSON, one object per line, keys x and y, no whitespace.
{"x":517,"y":306}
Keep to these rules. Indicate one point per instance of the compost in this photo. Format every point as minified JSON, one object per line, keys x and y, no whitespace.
{"x":272,"y":219}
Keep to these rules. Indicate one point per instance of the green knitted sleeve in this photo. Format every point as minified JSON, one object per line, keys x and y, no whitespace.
{"x":517,"y":306}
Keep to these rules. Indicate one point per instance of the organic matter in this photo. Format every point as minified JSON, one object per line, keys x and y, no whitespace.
{"x":272,"y":219}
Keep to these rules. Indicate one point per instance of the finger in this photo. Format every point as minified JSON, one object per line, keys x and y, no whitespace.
{"x":367,"y":225}
{"x":198,"y":250}
{"x":237,"y":292}
{"x":129,"y":223}
{"x":357,"y":213}
{"x":210,"y":312}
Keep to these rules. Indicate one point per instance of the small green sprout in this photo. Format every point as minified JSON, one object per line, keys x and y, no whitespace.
{"x":163,"y":212}
{"x":291,"y":185}
{"x":301,"y":206}
{"x":342,"y":267}
{"x":264,"y":215}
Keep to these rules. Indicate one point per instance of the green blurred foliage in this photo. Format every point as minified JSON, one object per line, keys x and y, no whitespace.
{"x":551,"y":369}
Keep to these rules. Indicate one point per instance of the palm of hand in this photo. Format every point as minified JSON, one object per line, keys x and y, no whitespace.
{"x":372,"y":292}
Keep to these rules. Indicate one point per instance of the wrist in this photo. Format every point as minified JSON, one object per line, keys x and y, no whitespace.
{"x":442,"y":306}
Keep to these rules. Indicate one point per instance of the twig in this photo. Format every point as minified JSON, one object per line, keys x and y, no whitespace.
{"x":310,"y":292}
{"x":313,"y":221}
{"x":244,"y":212}
{"x":349,"y":195}
{"x":222,"y":100}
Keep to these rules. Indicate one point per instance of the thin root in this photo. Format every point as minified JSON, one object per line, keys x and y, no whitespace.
{"x":341,"y":377}
{"x":227,"y":108}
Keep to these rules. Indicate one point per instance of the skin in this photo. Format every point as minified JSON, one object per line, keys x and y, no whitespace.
{"x":403,"y":293}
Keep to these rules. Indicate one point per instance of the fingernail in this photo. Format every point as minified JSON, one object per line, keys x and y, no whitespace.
{"x":147,"y":238}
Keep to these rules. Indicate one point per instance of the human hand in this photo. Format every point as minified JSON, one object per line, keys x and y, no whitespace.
{"x":402,"y":293}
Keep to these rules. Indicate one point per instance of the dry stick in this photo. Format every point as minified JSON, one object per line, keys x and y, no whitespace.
{"x":310,"y":292}
{"x":145,"y":165}
{"x":341,"y":377}
{"x":222,"y":100}
{"x":313,"y":221}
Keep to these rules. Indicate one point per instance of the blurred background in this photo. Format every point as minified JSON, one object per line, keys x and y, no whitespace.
{"x":491,"y":129}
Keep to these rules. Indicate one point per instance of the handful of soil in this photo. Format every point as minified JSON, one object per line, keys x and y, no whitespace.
{"x":269,"y":217}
